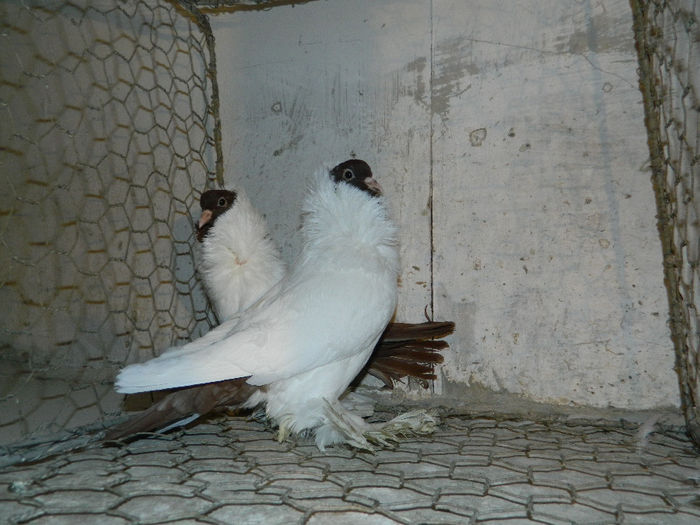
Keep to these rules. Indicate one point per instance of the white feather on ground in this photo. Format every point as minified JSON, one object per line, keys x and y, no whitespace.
{"x":644,"y":431}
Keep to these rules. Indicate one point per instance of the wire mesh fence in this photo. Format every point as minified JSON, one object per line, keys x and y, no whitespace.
{"x":107,"y":141}
{"x":472,"y":470}
{"x":668,"y":42}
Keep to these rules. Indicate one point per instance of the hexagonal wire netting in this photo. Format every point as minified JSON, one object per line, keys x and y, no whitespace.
{"x":107,"y":142}
{"x":111,"y":131}
{"x":472,"y":470}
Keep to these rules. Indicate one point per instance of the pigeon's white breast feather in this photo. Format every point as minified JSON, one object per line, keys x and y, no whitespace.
{"x":240,"y":262}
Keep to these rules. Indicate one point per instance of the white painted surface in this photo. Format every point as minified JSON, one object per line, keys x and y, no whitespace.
{"x":524,"y":121}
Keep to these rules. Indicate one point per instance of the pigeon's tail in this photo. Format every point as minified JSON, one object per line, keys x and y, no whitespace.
{"x":180,"y":407}
{"x":394,"y":361}
{"x":418,"y":331}
{"x":409,"y":350}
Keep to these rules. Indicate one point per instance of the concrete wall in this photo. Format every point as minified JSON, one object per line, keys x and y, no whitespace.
{"x":522,"y":123}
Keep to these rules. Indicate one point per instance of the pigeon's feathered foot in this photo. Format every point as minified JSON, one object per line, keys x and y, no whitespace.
{"x":413,"y":423}
{"x":183,"y":406}
{"x":351,"y":430}
{"x":409,"y":349}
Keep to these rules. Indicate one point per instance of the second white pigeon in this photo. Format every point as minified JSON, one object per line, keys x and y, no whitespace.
{"x":239,"y":261}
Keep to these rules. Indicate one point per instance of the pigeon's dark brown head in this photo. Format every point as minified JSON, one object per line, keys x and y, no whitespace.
{"x":213,"y":203}
{"x":357,"y":173}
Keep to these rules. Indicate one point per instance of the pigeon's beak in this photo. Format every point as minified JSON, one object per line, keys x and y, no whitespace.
{"x":204,"y":218}
{"x":373,"y":186}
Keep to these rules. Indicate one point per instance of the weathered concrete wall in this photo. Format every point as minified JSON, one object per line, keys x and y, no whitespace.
{"x":317,"y":83}
{"x":522,"y":122}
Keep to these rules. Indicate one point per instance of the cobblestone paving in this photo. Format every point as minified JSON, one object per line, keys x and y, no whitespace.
{"x":470,"y":471}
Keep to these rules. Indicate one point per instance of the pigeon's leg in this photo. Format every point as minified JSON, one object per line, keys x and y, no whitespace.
{"x":342,"y":426}
{"x":283,"y":432}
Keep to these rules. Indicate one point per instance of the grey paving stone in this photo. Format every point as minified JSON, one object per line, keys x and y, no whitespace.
{"x":154,"y":508}
{"x":349,"y":518}
{"x":62,"y":501}
{"x":257,"y":514}
{"x":392,"y":498}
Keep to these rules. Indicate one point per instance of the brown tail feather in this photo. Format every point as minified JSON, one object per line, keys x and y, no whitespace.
{"x":413,"y":362}
{"x":180,"y":404}
{"x":397,"y":369}
{"x":419,"y":331}
{"x":389,"y":373}
{"x":427,"y":357}
{"x":408,"y":350}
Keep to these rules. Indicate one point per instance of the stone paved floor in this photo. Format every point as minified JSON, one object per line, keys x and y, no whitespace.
{"x":480,"y":470}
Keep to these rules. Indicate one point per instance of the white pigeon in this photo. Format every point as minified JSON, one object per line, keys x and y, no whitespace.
{"x":305,"y":344}
{"x":239,"y":261}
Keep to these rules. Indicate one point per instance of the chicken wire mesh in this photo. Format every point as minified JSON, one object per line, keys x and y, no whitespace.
{"x":107,"y":141}
{"x":668,"y":43}
{"x":110,"y":134}
{"x":475,"y":470}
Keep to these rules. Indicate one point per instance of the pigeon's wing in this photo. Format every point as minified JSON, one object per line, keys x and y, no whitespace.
{"x":313,"y":323}
{"x":213,"y":336}
{"x":334,"y":317}
{"x":210,"y":358}
{"x":226,"y":352}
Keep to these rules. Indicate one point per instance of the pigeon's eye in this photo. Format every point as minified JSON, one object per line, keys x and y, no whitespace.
{"x":222,"y":202}
{"x":348,"y":174}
